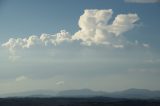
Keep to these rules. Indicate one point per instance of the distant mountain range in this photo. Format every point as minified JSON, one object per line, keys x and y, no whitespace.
{"x":130,"y":93}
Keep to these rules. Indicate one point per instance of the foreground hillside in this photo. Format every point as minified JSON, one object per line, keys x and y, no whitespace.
{"x":94,"y":101}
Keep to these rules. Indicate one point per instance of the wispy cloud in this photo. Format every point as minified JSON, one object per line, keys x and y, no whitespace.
{"x":146,"y":45}
{"x":21,"y":78}
{"x":59,"y":82}
{"x":143,"y":1}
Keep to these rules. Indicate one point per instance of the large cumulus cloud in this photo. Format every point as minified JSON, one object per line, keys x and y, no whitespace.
{"x":96,"y":28}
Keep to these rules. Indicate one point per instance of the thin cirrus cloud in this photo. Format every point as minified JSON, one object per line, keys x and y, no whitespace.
{"x":95,"y":29}
{"x":143,"y":1}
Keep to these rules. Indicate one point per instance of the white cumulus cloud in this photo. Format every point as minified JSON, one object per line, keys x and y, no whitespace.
{"x":95,"y":29}
{"x":34,"y":40}
{"x":123,"y":23}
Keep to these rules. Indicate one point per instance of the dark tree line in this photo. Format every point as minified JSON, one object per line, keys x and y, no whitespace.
{"x":76,"y":102}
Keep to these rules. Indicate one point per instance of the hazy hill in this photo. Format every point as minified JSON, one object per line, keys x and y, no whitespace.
{"x":81,"y":93}
{"x":135,"y":93}
{"x":130,"y":93}
{"x":35,"y":93}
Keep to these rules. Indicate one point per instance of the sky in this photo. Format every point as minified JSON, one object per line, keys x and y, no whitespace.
{"x":103,"y":45}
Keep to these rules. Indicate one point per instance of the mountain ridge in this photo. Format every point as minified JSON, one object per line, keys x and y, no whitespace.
{"x":129,"y":93}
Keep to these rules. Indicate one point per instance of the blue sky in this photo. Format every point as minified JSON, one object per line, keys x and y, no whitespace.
{"x":24,"y":18}
{"x":120,"y":58}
